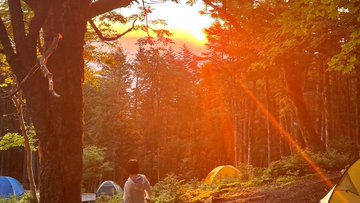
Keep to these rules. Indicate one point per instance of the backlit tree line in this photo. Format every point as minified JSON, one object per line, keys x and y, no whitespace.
{"x":276,"y":77}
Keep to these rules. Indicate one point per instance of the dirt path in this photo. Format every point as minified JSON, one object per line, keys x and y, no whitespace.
{"x":306,"y":191}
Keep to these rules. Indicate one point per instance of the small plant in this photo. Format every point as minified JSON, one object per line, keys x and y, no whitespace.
{"x":107,"y":199}
{"x":13,"y":199}
{"x":26,"y":198}
{"x":167,"y":190}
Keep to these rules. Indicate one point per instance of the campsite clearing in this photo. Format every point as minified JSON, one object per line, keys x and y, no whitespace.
{"x":310,"y":190}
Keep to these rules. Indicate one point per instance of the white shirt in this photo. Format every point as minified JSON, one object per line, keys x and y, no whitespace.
{"x":134,"y":189}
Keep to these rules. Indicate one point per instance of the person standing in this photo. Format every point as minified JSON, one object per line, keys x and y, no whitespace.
{"x":137,"y":186}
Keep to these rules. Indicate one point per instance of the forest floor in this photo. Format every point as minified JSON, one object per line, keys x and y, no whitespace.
{"x":304,"y":190}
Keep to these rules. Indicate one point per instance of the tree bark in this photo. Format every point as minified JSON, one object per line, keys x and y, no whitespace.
{"x":59,"y":121}
{"x":250,"y":131}
{"x":327,"y":107}
{"x":306,"y":123}
{"x":235,"y":130}
{"x":357,"y":134}
{"x":268,"y":127}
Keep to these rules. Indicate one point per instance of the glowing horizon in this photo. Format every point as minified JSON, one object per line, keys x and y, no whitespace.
{"x":183,"y":21}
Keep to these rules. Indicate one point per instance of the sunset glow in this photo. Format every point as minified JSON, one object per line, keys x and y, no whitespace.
{"x":179,"y":101}
{"x":199,"y":36}
{"x":183,"y":21}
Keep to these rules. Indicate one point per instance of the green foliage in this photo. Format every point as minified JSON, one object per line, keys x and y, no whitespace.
{"x":348,"y":58}
{"x":250,"y":172}
{"x":26,"y":198}
{"x":12,"y":200}
{"x":114,"y":199}
{"x":94,"y":164}
{"x":173,"y":190}
{"x":293,"y":165}
{"x":6,"y":77}
{"x":167,"y":190}
{"x":11,"y":140}
{"x":340,"y":153}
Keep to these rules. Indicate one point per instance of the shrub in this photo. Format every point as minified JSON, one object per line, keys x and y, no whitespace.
{"x":250,"y":172}
{"x":8,"y":200}
{"x":113,"y":199}
{"x":293,"y":165}
{"x":167,"y":190}
{"x":173,"y":190}
{"x":26,"y":198}
{"x":340,"y":153}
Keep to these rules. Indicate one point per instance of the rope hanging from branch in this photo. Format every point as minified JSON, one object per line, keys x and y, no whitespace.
{"x":41,"y":63}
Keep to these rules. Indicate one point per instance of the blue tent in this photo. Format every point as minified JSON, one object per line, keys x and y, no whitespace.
{"x":10,"y":187}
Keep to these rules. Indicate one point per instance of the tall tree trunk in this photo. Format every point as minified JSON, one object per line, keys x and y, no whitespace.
{"x":281,"y":139}
{"x":250,"y":132}
{"x":268,"y":126}
{"x":348,"y":106}
{"x":59,"y":121}
{"x":235,"y":130}
{"x":327,"y":107}
{"x":306,"y":123}
{"x":245,"y":141}
{"x":357,"y":134}
{"x":320,"y":105}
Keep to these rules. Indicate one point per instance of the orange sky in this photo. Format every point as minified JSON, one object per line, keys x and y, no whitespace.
{"x":182,"y":20}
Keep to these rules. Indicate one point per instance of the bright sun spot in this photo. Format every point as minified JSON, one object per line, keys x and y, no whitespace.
{"x":184,"y":19}
{"x":199,"y":35}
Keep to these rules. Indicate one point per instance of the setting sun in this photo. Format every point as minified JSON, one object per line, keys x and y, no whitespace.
{"x":185,"y":23}
{"x":200,"y":35}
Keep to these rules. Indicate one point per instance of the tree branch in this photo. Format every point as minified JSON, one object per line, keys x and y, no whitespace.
{"x":17,"y":22}
{"x":36,"y":23}
{"x":41,"y":63}
{"x":230,"y":18}
{"x":102,"y":6}
{"x":31,"y":3}
{"x":5,"y":40}
{"x":11,"y":57}
{"x":102,"y":37}
{"x":27,"y":76}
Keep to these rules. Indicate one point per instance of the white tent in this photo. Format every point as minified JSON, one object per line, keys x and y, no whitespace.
{"x":108,"y":188}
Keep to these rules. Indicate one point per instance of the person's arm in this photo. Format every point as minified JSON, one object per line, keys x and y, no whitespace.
{"x":127,"y":195}
{"x":147,"y":189}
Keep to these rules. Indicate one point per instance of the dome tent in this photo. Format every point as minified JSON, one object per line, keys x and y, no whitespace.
{"x":108,"y":188}
{"x":348,"y":188}
{"x":10,"y":187}
{"x":222,"y":172}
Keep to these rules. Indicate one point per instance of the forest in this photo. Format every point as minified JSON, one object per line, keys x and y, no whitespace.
{"x":279,"y":81}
